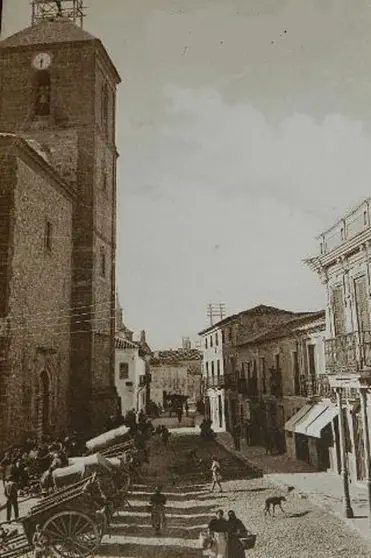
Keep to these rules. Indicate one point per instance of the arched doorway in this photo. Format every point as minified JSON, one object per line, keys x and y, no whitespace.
{"x":44,"y":404}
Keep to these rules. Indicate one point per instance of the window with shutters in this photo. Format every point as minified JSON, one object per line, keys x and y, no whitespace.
{"x":263,"y":374}
{"x":124,"y":370}
{"x":338,"y":310}
{"x":312,"y":367}
{"x":362,"y":308}
{"x":296,"y":372}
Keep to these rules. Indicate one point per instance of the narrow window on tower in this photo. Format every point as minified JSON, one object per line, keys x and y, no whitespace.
{"x":105,"y":108}
{"x":42,"y":96}
{"x":102,"y":262}
{"x":104,"y":179}
{"x":48,"y":236}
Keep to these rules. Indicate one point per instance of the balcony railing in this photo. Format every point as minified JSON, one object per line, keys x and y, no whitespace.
{"x":348,"y":353}
{"x":227,"y":381}
{"x":216,"y":382}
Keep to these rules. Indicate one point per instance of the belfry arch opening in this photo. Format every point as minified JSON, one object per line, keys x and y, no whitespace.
{"x":42,"y":93}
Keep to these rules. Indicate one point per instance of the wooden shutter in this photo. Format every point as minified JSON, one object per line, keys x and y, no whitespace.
{"x":363,"y":313}
{"x":338,"y":310}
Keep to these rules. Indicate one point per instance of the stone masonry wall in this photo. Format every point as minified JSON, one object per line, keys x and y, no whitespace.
{"x":39,"y":304}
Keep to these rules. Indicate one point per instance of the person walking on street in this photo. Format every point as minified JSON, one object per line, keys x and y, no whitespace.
{"x":218,"y":529}
{"x":180,"y":414}
{"x":236,"y":530}
{"x":165,"y":434}
{"x":237,"y":436}
{"x":11,"y":495}
{"x":268,"y":442}
{"x":248,"y":432}
{"x":186,"y":407}
{"x":216,"y":474}
{"x":157,"y":507}
{"x":5,"y":465}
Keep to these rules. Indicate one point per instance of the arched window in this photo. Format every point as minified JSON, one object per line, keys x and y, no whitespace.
{"x":42,"y":97}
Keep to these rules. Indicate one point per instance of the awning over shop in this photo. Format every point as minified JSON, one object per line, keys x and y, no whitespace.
{"x":316,"y":427}
{"x":315,"y":421}
{"x":314,"y":413}
{"x":290,"y":424}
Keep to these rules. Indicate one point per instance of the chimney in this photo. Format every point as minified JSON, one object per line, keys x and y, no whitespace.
{"x":143,"y":336}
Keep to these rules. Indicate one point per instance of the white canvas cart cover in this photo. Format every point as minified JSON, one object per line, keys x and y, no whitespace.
{"x":92,"y":463}
{"x":107,"y":438}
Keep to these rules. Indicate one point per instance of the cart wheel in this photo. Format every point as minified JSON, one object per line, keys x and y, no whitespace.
{"x":72,"y":534}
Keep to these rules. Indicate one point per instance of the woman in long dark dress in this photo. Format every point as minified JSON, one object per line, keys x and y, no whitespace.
{"x":236,"y":529}
{"x":218,"y":527}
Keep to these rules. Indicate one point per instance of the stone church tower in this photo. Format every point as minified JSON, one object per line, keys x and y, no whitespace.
{"x":58,"y":87}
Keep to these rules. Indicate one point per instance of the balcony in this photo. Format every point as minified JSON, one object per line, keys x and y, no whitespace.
{"x":214,"y":382}
{"x":348,"y":353}
{"x":226,"y":381}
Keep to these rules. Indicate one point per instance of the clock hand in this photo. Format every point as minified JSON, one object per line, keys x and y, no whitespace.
{"x":41,"y":62}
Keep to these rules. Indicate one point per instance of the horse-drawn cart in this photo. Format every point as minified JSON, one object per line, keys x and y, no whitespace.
{"x":73,"y":520}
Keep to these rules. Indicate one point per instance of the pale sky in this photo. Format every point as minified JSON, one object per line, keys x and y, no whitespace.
{"x":244,"y":130}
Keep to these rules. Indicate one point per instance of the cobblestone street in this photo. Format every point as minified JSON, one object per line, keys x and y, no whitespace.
{"x":303,"y":531}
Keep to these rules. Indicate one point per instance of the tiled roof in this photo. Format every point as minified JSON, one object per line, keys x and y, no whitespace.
{"x":61,"y":30}
{"x":287,"y":327}
{"x":259,"y":310}
{"x":175,"y":356}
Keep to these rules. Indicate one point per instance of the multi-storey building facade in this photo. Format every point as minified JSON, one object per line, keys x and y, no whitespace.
{"x":213,"y":377}
{"x":343,"y":264}
{"x":224,"y":403}
{"x":58,"y":88}
{"x":175,"y":372}
{"x":132,"y":375}
{"x":280,"y":378}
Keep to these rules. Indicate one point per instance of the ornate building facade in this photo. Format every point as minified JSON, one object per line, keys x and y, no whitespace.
{"x":343,"y":265}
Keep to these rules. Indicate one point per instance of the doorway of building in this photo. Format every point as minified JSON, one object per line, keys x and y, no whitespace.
{"x":302,"y":448}
{"x":323,"y":445}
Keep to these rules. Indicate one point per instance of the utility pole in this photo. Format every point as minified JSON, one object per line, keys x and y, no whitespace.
{"x":216,"y":311}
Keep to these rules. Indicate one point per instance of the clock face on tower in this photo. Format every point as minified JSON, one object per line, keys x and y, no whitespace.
{"x":41,"y":61}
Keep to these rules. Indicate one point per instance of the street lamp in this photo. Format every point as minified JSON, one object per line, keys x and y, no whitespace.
{"x":348,"y":511}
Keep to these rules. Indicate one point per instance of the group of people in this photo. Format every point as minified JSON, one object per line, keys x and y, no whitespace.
{"x":225,"y":536}
{"x":27,"y":468}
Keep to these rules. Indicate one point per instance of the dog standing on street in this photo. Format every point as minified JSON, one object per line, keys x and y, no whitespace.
{"x":272,"y":503}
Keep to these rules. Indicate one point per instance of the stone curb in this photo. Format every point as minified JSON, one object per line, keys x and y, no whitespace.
{"x":257,"y":470}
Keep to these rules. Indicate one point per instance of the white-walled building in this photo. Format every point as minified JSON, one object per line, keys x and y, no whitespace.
{"x":132,"y":358}
{"x":213,"y":376}
{"x":176,"y":372}
{"x":130,"y":371}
